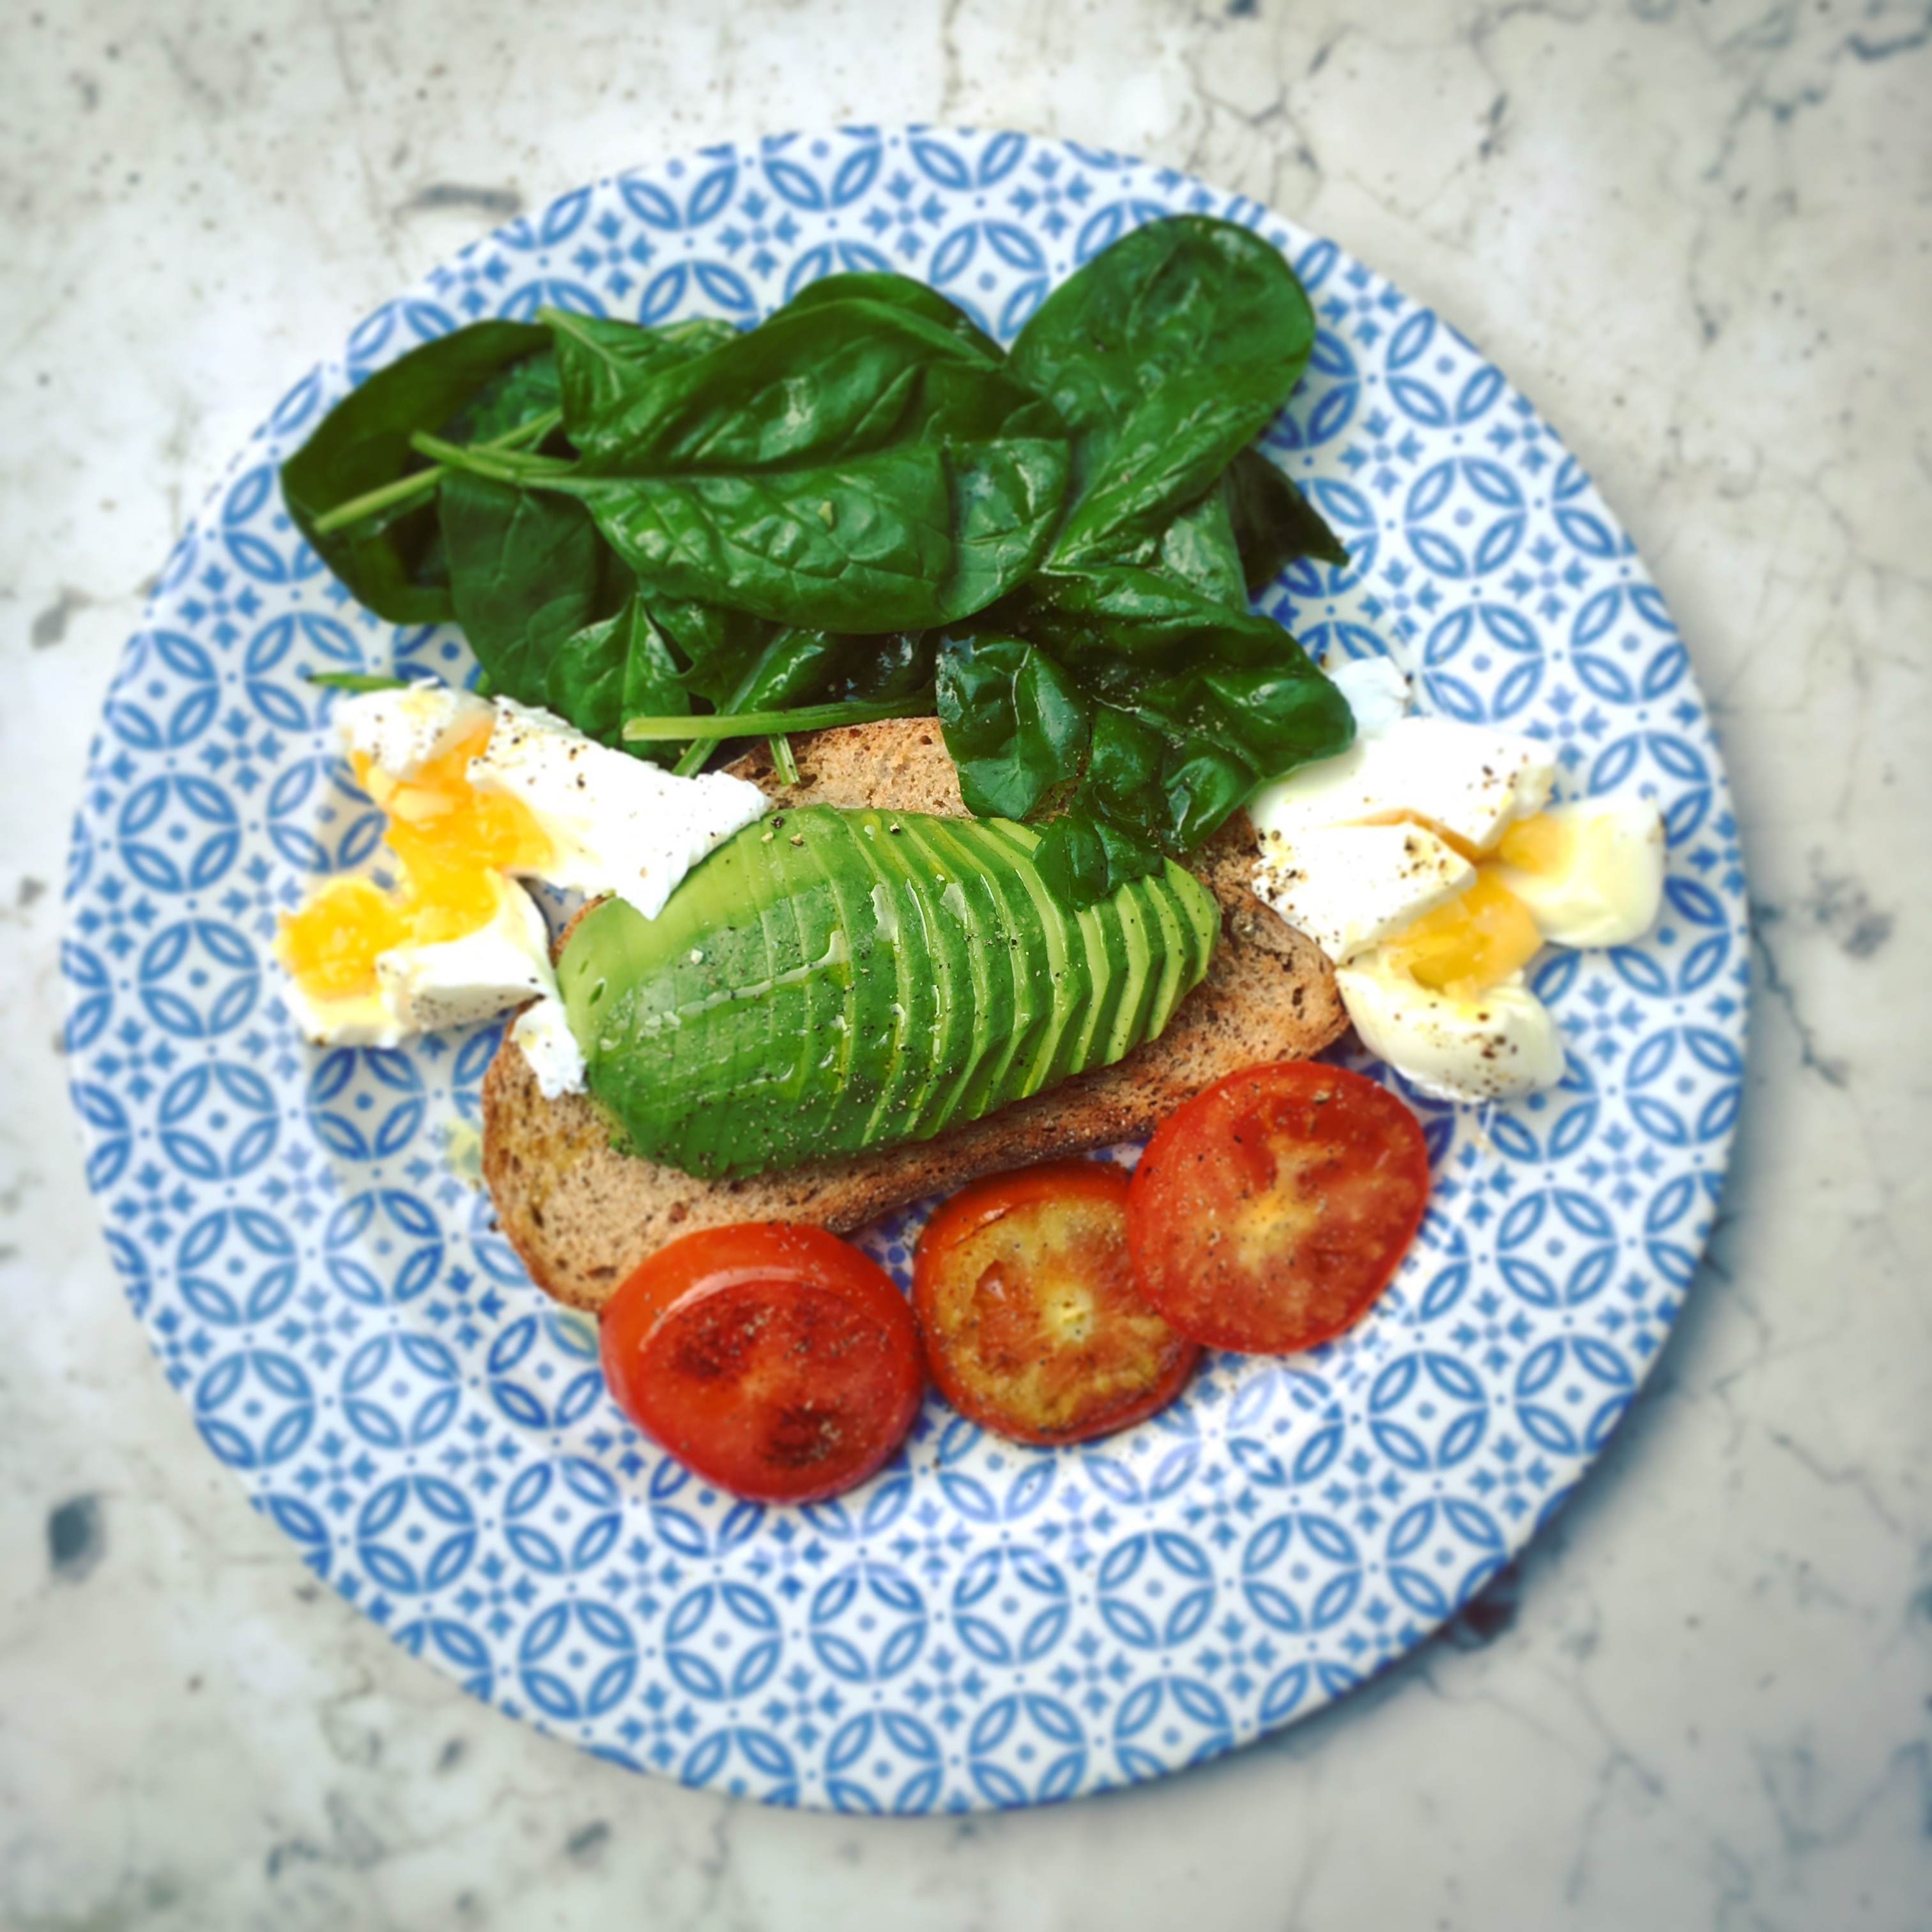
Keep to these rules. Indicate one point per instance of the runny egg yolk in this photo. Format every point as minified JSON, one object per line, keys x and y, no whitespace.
{"x":453,"y":845}
{"x":330,"y":942}
{"x":1485,"y":933}
{"x":1538,"y":844}
{"x":1472,"y":944}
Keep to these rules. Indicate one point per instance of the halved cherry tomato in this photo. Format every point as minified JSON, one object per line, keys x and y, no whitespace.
{"x":769,"y":1358}
{"x":1268,"y":1212}
{"x":1027,"y":1306}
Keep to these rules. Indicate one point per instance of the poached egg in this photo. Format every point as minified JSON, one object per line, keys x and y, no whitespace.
{"x":1427,"y":862}
{"x":478,"y":795}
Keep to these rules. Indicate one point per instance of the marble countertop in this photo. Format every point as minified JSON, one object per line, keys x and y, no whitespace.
{"x":1699,"y":237}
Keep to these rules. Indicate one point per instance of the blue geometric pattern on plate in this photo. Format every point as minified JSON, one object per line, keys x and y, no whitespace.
{"x":981,"y":1624}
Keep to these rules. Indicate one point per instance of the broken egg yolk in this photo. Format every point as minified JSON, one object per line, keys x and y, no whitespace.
{"x":1539,"y":845}
{"x":453,"y":846}
{"x":1472,"y":944}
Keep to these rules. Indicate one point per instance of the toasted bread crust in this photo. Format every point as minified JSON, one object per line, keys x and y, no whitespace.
{"x":582,"y":1217}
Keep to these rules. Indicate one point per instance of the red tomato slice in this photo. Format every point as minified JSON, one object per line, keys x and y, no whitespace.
{"x":1268,"y":1212}
{"x":1026,"y":1305}
{"x":770,"y":1358}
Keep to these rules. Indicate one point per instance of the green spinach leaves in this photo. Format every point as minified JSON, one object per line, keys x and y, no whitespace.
{"x":362,"y":450}
{"x":1015,"y":724}
{"x":852,"y":466}
{"x":1166,"y":355}
{"x":864,"y":498}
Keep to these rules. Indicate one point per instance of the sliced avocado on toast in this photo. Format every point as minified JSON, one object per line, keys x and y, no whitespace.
{"x":823,"y":984}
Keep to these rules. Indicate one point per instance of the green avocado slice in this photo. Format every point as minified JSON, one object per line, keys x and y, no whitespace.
{"x":970,"y":913}
{"x":1197,"y":917}
{"x":1061,"y":959}
{"x":1015,"y":934}
{"x":1108,"y":972}
{"x":1139,"y":926}
{"x":901,"y":928}
{"x":650,"y":995}
{"x":943,"y":1007}
{"x":807,"y":990}
{"x":820,"y":833}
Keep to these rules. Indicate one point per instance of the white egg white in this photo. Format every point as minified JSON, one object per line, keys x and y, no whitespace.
{"x":451,"y":983}
{"x":616,"y":823}
{"x":1496,"y":1045}
{"x":1343,"y":860}
{"x":360,"y":1019}
{"x":456,"y":982}
{"x":399,"y":731}
{"x":1377,"y":691}
{"x":1470,"y":780}
{"x":1607,"y":885}
{"x":1349,"y":887}
{"x":542,"y":1031}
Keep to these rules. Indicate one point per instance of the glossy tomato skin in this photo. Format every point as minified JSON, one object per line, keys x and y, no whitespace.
{"x":1031,"y":1322}
{"x":770,"y":1358}
{"x":1268,"y":1212}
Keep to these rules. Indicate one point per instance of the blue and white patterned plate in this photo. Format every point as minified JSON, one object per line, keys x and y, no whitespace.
{"x":981,"y":1624}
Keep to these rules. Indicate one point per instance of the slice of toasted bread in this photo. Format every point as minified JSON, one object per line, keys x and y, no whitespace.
{"x":582,"y":1217}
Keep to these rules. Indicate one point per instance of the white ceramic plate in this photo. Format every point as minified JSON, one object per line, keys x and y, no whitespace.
{"x":981,"y":1624}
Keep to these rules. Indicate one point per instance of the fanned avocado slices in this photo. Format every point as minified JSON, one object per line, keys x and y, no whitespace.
{"x":823,"y":983}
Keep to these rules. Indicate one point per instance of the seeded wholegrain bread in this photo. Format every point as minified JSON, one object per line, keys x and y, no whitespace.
{"x":583,"y":1216}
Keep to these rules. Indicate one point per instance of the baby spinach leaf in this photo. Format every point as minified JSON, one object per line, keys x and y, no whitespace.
{"x":717,"y":646}
{"x":1272,"y":522}
{"x":1165,"y":774}
{"x":1113,"y":830}
{"x":1165,"y":355}
{"x":889,"y":666}
{"x":1229,"y":724}
{"x":1083,"y":858}
{"x":652,"y":685}
{"x":1075,"y":858}
{"x":1137,"y":613}
{"x":601,"y":362}
{"x":879,"y":285}
{"x":527,"y":571}
{"x":584,"y":680}
{"x":528,"y":388}
{"x":850,"y":467}
{"x":1199,"y":547}
{"x":807,"y":384}
{"x":1185,"y":707}
{"x":1005,"y":493}
{"x":834,"y":546}
{"x":364,"y":442}
{"x":1015,"y":723}
{"x":796,"y":668}
{"x":616,"y":668}
{"x":1123,"y":769}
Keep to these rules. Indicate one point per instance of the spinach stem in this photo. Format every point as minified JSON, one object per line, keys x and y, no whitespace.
{"x":354,"y":680}
{"x":766,"y":723}
{"x":692,"y":760}
{"x":423,"y":482}
{"x":499,"y":463}
{"x":783,"y":762}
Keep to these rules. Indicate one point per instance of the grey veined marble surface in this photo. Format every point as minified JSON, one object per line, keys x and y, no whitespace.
{"x":1699,"y":236}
